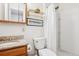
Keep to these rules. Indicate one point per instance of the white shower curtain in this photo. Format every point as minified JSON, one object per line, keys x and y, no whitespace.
{"x":50,"y":27}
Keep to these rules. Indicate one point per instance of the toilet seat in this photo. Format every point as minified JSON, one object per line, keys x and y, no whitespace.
{"x":46,"y":52}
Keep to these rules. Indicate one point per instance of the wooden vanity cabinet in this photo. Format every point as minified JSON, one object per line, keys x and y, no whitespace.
{"x":15,"y":51}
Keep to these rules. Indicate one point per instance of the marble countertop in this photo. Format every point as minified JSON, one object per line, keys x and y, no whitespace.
{"x":12,"y":44}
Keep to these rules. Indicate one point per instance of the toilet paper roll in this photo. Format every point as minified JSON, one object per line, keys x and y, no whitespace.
{"x":29,"y":48}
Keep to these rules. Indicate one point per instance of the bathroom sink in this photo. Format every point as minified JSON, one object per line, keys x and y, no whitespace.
{"x":11,"y":44}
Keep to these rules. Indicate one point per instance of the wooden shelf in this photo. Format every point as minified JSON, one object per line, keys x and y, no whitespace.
{"x":7,"y":21}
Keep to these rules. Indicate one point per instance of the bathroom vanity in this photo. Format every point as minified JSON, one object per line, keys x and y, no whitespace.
{"x":14,"y":51}
{"x":13,"y":46}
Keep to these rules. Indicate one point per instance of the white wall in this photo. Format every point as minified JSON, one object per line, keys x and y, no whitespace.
{"x":32,"y":32}
{"x":29,"y":32}
{"x":11,"y":29}
{"x":35,"y":5}
{"x":69,"y":15}
{"x":50,"y":27}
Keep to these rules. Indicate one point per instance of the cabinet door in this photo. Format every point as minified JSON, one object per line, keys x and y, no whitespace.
{"x":21,"y":12}
{"x":1,"y":11}
{"x":13,"y":9}
{"x":15,"y":12}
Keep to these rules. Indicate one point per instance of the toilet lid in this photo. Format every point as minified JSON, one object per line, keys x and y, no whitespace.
{"x":46,"y":52}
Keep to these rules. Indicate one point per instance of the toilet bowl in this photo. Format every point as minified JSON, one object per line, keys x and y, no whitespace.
{"x":46,"y":52}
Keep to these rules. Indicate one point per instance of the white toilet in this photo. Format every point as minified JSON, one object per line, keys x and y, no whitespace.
{"x":40,"y":44}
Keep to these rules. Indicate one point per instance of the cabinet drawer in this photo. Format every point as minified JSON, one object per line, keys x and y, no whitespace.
{"x":14,"y":52}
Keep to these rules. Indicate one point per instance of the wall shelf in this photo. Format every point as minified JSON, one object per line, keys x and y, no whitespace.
{"x":34,"y":22}
{"x":7,"y":21}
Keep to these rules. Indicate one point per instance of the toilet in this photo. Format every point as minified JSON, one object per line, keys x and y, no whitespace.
{"x":40,"y":45}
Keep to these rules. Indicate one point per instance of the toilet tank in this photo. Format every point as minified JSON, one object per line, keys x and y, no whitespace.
{"x":39,"y":43}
